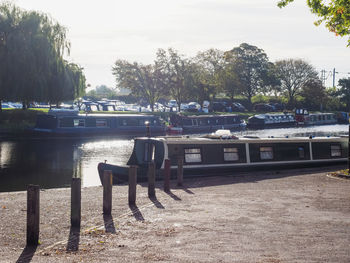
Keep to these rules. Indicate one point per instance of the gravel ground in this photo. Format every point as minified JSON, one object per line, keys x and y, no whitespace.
{"x":282,"y":216}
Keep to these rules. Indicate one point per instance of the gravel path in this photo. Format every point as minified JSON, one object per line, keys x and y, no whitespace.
{"x":282,"y":216}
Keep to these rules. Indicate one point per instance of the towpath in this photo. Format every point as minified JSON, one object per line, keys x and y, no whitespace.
{"x":281,"y":216}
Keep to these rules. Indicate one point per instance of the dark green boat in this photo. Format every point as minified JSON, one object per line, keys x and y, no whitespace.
{"x":215,"y":155}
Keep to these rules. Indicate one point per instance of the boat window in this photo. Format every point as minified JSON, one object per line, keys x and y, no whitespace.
{"x":231,"y":154}
{"x":266,"y":153}
{"x":203,"y":122}
{"x":194,"y":122}
{"x":101,"y":123}
{"x":301,"y":152}
{"x":193,"y":155}
{"x":335,"y":150}
{"x":79,"y":123}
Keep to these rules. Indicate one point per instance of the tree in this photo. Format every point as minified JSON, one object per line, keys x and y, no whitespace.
{"x":344,"y":91}
{"x":335,"y":14}
{"x":251,"y":63}
{"x":207,"y":73}
{"x":143,"y":80}
{"x":100,"y":92}
{"x":314,"y":94}
{"x":32,"y":46}
{"x":294,"y":74}
{"x":176,"y":73}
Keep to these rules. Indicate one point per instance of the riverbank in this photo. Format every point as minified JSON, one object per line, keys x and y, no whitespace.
{"x":282,"y":216}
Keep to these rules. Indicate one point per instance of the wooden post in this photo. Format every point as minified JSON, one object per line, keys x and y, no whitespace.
{"x":132,"y":184}
{"x":167,"y":175}
{"x":107,"y":192}
{"x":180,"y":173}
{"x":75,"y":215}
{"x":33,"y":215}
{"x":151,"y":179}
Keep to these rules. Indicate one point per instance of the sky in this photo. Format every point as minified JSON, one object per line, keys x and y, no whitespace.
{"x":104,"y":31}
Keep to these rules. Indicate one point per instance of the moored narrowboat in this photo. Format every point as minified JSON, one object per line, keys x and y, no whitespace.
{"x":70,"y":123}
{"x":263,"y":121}
{"x":206,"y":123}
{"x":214,"y":155}
{"x":304,"y":118}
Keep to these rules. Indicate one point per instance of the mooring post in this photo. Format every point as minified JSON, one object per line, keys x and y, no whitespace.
{"x":33,"y":215}
{"x":132,"y":184}
{"x":75,"y":213}
{"x":107,"y":192}
{"x":166,"y":175}
{"x":151,"y":179}
{"x":180,"y":173}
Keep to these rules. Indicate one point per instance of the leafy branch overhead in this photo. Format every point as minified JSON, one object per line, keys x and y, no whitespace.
{"x":335,"y":14}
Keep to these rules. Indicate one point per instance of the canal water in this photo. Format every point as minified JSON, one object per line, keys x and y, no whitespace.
{"x":51,"y":163}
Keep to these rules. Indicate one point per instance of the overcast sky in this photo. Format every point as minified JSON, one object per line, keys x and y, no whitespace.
{"x":106,"y":30}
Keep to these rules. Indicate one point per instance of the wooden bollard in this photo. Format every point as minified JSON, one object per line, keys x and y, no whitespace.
{"x":33,"y":215}
{"x":132,"y":184}
{"x":180,"y":171}
{"x":107,"y":192}
{"x":151,"y":174}
{"x":75,"y":213}
{"x":166,"y":175}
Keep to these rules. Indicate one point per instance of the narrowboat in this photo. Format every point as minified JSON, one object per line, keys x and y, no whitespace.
{"x":206,"y":123}
{"x":70,"y":123}
{"x":263,"y":121}
{"x":217,"y":155}
{"x":304,"y":118}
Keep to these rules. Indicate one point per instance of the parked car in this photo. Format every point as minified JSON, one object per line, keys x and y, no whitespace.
{"x":220,"y":106}
{"x":263,"y":107}
{"x":236,"y":106}
{"x":172,"y":103}
{"x":193,"y":107}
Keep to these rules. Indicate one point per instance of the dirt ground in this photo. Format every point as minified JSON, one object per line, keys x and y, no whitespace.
{"x":282,"y":216}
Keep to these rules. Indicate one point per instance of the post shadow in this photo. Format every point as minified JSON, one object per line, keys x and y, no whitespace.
{"x":27,"y":254}
{"x":156,"y":202}
{"x":187,"y":191}
{"x":136,"y":212}
{"x":109,"y":224}
{"x":74,"y":238}
{"x":172,"y":195}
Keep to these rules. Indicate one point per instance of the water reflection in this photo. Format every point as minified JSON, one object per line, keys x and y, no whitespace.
{"x":51,"y":163}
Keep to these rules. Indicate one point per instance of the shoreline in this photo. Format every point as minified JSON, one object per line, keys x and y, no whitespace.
{"x":249,"y":217}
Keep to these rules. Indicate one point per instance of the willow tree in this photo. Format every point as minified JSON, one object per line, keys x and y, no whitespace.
{"x":32,"y":46}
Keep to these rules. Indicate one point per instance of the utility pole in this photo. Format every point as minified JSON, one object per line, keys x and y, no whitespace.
{"x":334,"y":72}
{"x":323,"y":77}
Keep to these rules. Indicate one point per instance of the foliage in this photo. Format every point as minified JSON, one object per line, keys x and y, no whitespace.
{"x":252,"y":65}
{"x":344,"y":91}
{"x":143,"y":80}
{"x":101,"y":92}
{"x":293,"y":74}
{"x":314,"y":94}
{"x":32,"y":46}
{"x":177,"y":74}
{"x":335,"y":14}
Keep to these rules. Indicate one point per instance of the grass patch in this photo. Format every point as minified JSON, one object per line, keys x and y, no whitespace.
{"x":18,"y":119}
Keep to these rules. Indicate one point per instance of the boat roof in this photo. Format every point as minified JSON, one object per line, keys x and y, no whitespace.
{"x":209,"y":116}
{"x":244,"y":139}
{"x":115,"y":115}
